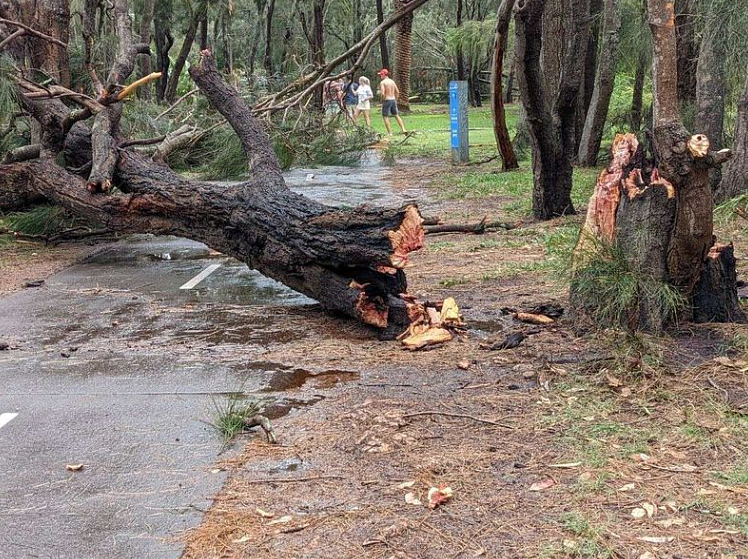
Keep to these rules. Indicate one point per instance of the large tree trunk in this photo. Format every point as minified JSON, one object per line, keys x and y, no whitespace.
{"x":503,"y":140}
{"x":637,"y":99}
{"x":597,"y":113}
{"x":735,"y":174}
{"x":403,"y":55}
{"x":656,"y":217}
{"x":383,"y":51}
{"x":460,"y":58}
{"x":710,"y":85}
{"x":351,"y":261}
{"x":590,"y":67}
{"x":555,"y":32}
{"x":164,"y":41}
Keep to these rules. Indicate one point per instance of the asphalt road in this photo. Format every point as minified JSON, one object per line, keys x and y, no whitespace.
{"x":103,"y":374}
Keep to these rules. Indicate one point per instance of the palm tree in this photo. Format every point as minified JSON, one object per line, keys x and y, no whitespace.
{"x":403,"y":54}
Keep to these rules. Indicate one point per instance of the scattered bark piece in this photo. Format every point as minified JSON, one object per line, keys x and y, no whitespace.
{"x":510,"y":341}
{"x":531,"y":318}
{"x":431,"y":336}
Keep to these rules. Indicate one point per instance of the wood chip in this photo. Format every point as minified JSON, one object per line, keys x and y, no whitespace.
{"x":534,"y":318}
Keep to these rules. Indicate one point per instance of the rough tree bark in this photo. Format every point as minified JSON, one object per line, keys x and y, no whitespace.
{"x":710,"y":84}
{"x":351,"y":261}
{"x":267,"y":59}
{"x":590,"y":66}
{"x":658,"y":214}
{"x":735,"y":173}
{"x":597,"y":113}
{"x":687,"y":48}
{"x":51,"y":17}
{"x":403,"y":55}
{"x":550,"y":93}
{"x":164,"y":41}
{"x":637,"y":99}
{"x":460,"y":58}
{"x":503,"y":140}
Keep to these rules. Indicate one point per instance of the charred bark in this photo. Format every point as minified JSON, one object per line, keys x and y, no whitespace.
{"x":550,"y":93}
{"x":501,"y":132}
{"x":597,"y":113}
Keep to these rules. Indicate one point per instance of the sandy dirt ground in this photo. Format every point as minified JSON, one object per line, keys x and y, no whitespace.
{"x":570,"y":445}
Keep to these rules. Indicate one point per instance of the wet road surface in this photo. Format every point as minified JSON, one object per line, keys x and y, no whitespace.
{"x":115,"y":367}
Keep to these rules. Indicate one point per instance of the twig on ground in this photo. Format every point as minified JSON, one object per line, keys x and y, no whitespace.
{"x":459,"y":415}
{"x":292,"y":480}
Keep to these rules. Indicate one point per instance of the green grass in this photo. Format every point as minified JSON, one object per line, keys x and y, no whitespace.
{"x":590,"y":542}
{"x":42,"y":220}
{"x":736,"y":476}
{"x":230,"y":415}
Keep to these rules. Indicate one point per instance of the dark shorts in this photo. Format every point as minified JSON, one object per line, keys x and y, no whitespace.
{"x":389,"y":107}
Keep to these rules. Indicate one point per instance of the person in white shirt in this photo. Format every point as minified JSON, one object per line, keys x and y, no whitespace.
{"x":365,"y":95}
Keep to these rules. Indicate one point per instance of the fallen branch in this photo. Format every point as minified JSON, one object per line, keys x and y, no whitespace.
{"x":32,"y":31}
{"x":177,"y":102}
{"x":292,"y":480}
{"x":474,"y":228}
{"x":460,"y":416}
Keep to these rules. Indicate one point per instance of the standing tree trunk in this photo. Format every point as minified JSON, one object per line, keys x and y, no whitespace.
{"x":51,"y":17}
{"x":503,"y":140}
{"x":268,"y":58}
{"x":657,"y":218}
{"x":687,"y":48}
{"x":318,"y":45}
{"x":144,"y":63}
{"x":594,"y":125}
{"x":460,"y":58}
{"x":710,"y":85}
{"x":383,"y":51}
{"x":557,"y":33}
{"x":590,"y":67}
{"x":403,"y":55}
{"x":164,"y":41}
{"x":735,"y":174}
{"x":170,"y":94}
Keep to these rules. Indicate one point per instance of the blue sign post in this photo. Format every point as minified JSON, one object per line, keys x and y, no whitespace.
{"x":458,"y":121}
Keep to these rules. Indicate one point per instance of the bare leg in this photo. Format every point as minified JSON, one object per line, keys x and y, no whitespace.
{"x":387,"y":125}
{"x":355,"y":115}
{"x":401,"y":123}
{"x":367,"y":116}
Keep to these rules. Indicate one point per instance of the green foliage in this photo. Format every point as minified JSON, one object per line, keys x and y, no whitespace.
{"x":230,"y":415}
{"x":42,"y":220}
{"x":612,"y":292}
{"x":474,"y":39}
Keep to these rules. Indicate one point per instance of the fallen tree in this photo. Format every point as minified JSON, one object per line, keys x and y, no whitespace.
{"x":351,"y":261}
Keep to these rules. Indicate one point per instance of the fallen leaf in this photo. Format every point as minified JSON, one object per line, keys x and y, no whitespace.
{"x":241,"y":540}
{"x":638,"y":512}
{"x":737,"y":490}
{"x":464,"y":365}
{"x":566,"y":465}
{"x":406,"y":484}
{"x":647,"y":555}
{"x":656,"y":539}
{"x":439,"y":496}
{"x":540,"y":319}
{"x":613,"y":381}
{"x":74,"y":467}
{"x":650,"y":508}
{"x":732,"y":510}
{"x":670,"y":522}
{"x":723,"y":531}
{"x":411,"y":499}
{"x":640,"y":457}
{"x":281,"y":520}
{"x":264,"y":513}
{"x":571,"y":544}
{"x":625,"y":392}
{"x":544,"y":484}
{"x":627,"y":487}
{"x":584,"y":476}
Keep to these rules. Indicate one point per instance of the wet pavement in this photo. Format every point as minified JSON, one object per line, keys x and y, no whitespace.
{"x":115,"y":367}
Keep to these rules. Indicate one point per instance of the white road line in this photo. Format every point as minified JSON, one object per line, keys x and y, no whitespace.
{"x":201,"y":276}
{"x":6,"y":418}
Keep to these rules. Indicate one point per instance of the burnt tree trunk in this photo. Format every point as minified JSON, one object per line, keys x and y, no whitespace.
{"x":649,"y":222}
{"x":550,"y":93}
{"x":384,"y":53}
{"x":735,"y":173}
{"x":351,"y":261}
{"x":597,"y":113}
{"x":503,"y":140}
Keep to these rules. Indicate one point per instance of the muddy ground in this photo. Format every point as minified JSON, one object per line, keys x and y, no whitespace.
{"x":591,"y":444}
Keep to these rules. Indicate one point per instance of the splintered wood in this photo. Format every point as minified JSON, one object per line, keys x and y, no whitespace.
{"x":431,"y":323}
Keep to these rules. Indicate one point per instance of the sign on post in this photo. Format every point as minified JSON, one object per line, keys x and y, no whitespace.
{"x":458,"y":120}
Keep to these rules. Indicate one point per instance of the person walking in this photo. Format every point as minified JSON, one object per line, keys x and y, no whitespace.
{"x":389,"y":91}
{"x":351,"y":98}
{"x":365,"y":95}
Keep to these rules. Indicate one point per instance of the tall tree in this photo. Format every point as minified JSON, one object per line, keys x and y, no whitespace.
{"x":597,"y":113}
{"x":383,"y":51}
{"x":459,"y":56}
{"x":197,"y":16}
{"x":268,"y":57}
{"x":735,"y":174}
{"x":687,"y":49}
{"x":403,"y":54}
{"x":554,"y":32}
{"x":51,"y":16}
{"x":146,"y":27}
{"x":710,"y":82}
{"x":162,"y":19}
{"x":503,"y":141}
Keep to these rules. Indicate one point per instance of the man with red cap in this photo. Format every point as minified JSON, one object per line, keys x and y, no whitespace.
{"x":389,"y":91}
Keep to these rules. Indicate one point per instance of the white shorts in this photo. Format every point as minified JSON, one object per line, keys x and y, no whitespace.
{"x":364,"y":105}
